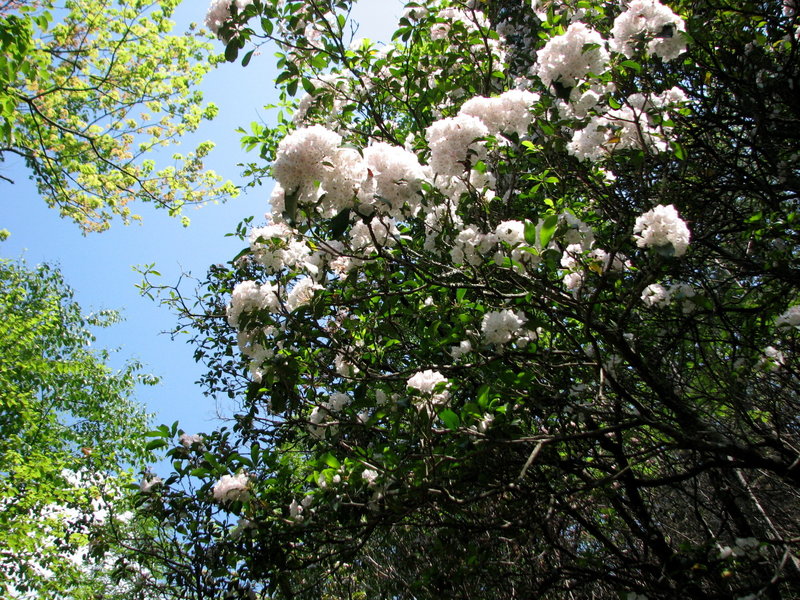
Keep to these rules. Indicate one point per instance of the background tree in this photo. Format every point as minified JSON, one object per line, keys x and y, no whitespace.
{"x":89,"y":91}
{"x":70,"y":439}
{"x":522,"y":321}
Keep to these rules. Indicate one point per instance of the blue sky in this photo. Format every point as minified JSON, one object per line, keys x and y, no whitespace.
{"x":99,"y":267}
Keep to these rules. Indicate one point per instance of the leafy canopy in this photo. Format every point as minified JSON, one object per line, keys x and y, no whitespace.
{"x":69,"y":437}
{"x":89,"y":91}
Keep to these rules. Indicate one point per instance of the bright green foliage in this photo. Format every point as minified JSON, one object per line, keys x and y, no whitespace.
{"x":68,"y":435}
{"x":88,"y":91}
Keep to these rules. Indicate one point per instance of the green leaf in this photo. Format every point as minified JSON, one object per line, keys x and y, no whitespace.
{"x":330,"y":460}
{"x":530,"y":233}
{"x":548,"y":230}
{"x":482,"y":396}
{"x":631,"y":64}
{"x":450,"y":419}
{"x":308,"y":86}
{"x":290,"y":206}
{"x":232,"y":51}
{"x":154,"y":444}
{"x":339,"y":223}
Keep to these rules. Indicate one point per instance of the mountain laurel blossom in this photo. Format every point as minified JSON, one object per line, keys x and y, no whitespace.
{"x":250,"y":296}
{"x":455,"y":143}
{"x":657,"y":295}
{"x":426,"y":381}
{"x":509,"y":112}
{"x":231,"y":488}
{"x":187,"y":441}
{"x":790,"y":318}
{"x":501,"y":326}
{"x":563,"y":59}
{"x":662,"y":227}
{"x":369,"y":475}
{"x":652,"y":21}
{"x":149,"y":483}
{"x":296,"y":511}
{"x":302,"y":156}
{"x":219,"y":12}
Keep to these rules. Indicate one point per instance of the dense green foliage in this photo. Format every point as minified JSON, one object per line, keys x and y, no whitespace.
{"x":630,"y":432}
{"x":70,"y":438}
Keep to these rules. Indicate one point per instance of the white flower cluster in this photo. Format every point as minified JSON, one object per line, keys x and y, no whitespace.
{"x":304,"y":159}
{"x":659,"y":296}
{"x":661,"y":227}
{"x":344,"y":367}
{"x":219,"y":11}
{"x":579,"y":256}
{"x":580,"y":102}
{"x":395,"y":176}
{"x":790,"y":318}
{"x":456,"y":144}
{"x":471,"y":245}
{"x":370,"y":476}
{"x":149,"y":483}
{"x":276,"y":247}
{"x":501,"y":326}
{"x":509,"y":112}
{"x":576,"y":59}
{"x":296,"y":509}
{"x":256,"y":352}
{"x":301,"y":293}
{"x":249,"y":296}
{"x":187,"y":441}
{"x":576,"y":260}
{"x":652,"y":21}
{"x":473,"y":21}
{"x":315,"y":419}
{"x":317,"y":424}
{"x":564,"y":60}
{"x":511,"y":232}
{"x":311,"y":164}
{"x":464,"y":347}
{"x":630,"y":126}
{"x":426,"y":381}
{"x":337,"y":402}
{"x":231,"y":488}
{"x":415,"y":13}
{"x":324,"y":481}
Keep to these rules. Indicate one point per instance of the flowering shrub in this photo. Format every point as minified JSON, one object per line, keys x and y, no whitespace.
{"x":519,"y":320}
